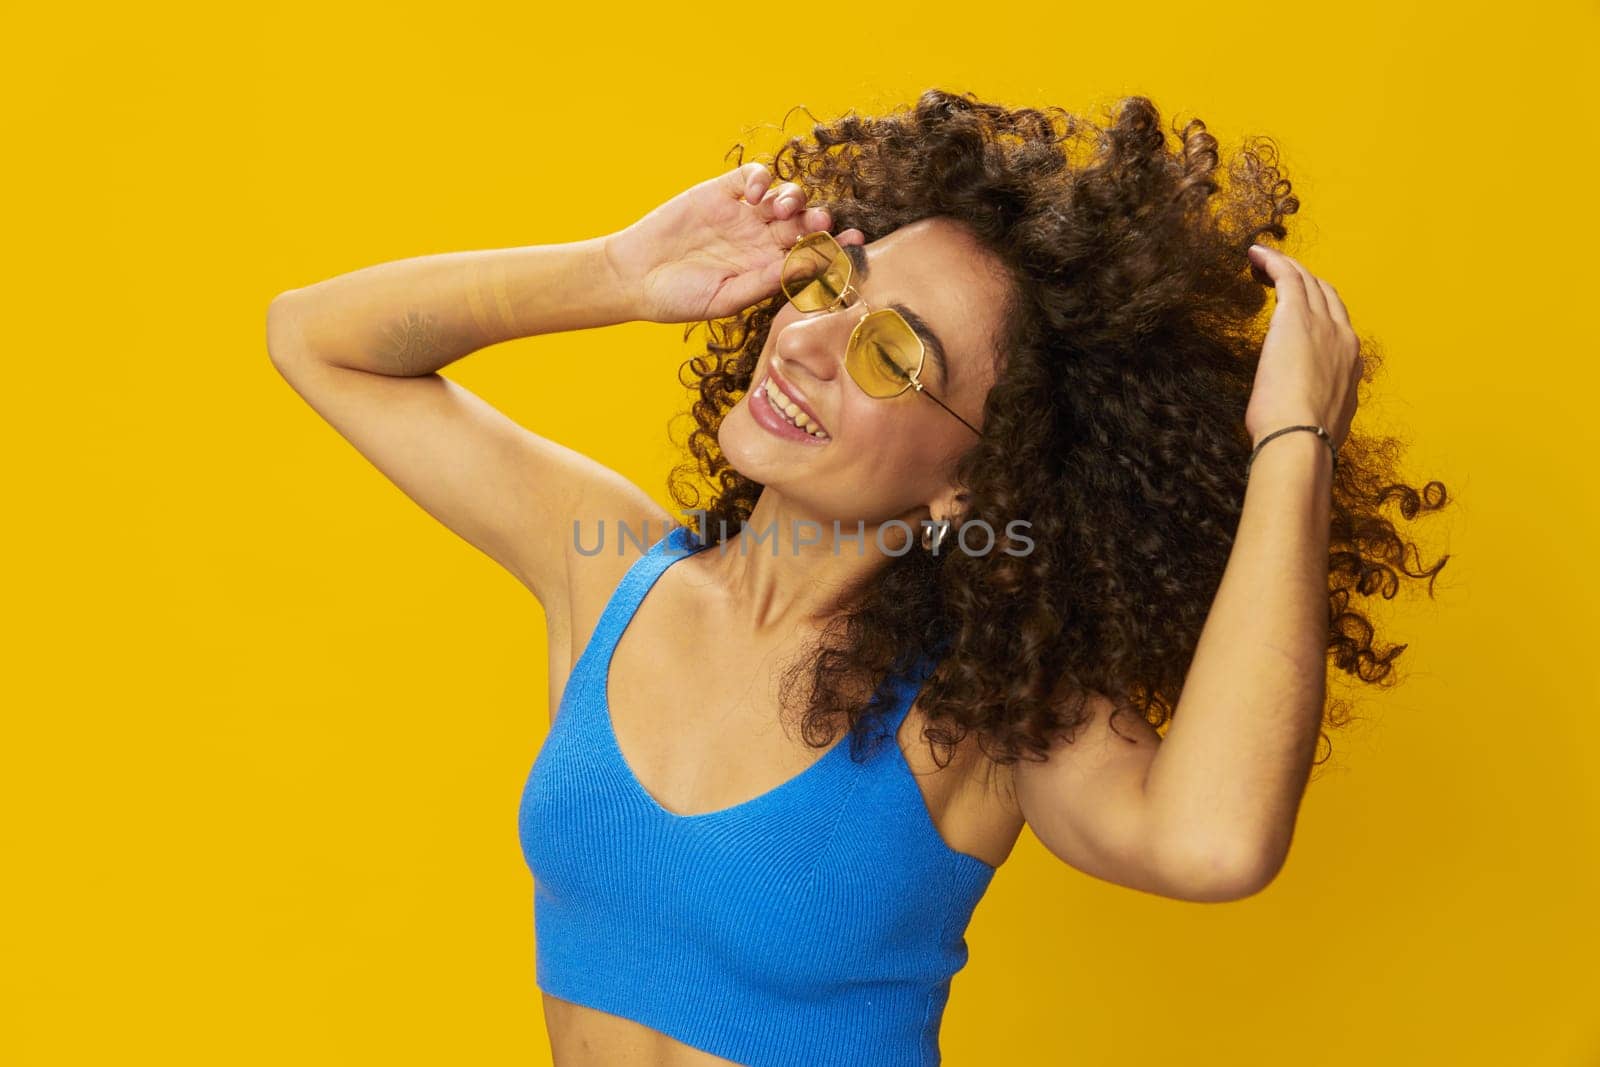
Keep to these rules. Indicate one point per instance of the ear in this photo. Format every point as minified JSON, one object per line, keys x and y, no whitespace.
{"x":852,"y":236}
{"x":949,"y":504}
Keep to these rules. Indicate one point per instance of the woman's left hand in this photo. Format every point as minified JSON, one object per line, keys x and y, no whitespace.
{"x":1310,"y":361}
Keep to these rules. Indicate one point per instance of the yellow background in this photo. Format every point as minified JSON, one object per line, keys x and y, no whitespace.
{"x":266,"y":723}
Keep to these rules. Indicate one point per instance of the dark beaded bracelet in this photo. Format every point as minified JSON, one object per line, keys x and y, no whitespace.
{"x":1327,"y":439}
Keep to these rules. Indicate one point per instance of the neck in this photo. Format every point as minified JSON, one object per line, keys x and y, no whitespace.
{"x":788,"y":570}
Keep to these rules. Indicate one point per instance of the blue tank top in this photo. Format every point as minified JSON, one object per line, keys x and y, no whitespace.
{"x":816,"y":925}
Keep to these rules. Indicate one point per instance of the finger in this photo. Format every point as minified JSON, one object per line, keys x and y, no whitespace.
{"x":743,"y":290}
{"x":1285,"y":277}
{"x":1316,"y":303}
{"x":814,"y":219}
{"x":1316,"y":299}
{"x":787,"y":231}
{"x":781,"y":202}
{"x":811,"y":221}
{"x":1336,"y":306}
{"x":748,"y":181}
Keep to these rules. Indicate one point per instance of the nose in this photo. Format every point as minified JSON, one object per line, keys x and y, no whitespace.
{"x":815,"y":344}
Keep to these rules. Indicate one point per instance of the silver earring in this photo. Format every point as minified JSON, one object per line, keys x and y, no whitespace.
{"x":933,"y":535}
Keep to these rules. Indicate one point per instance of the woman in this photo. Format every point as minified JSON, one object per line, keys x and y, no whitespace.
{"x":1008,"y":323}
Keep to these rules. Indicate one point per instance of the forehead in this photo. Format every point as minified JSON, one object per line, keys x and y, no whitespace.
{"x":939,"y":270}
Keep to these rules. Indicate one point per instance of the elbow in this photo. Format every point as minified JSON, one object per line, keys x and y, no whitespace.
{"x":283,"y":331}
{"x":1225,"y":872}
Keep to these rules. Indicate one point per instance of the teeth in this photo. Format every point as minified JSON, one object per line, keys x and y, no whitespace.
{"x":791,"y":411}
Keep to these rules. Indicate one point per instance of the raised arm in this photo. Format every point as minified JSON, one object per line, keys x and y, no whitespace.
{"x":364,"y":350}
{"x":1208,"y":812}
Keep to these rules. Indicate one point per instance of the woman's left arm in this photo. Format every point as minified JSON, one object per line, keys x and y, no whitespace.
{"x":1228,"y":778}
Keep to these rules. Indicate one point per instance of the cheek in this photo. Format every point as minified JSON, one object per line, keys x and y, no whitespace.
{"x":883,"y":440}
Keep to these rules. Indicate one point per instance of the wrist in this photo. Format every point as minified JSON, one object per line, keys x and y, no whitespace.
{"x":617,"y":278}
{"x":1260,"y":428}
{"x":1311,"y":435}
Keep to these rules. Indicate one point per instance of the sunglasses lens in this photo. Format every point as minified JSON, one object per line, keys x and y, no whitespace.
{"x":815,"y":272}
{"x":884,"y":351}
{"x":883,"y":354}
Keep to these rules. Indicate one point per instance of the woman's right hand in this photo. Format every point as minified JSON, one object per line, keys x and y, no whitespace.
{"x":714,"y":249}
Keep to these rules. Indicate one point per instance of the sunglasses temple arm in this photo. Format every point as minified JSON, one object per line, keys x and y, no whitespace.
{"x":942,"y":404}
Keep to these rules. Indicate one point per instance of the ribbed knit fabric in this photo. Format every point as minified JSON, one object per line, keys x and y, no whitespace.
{"x":817,"y":925}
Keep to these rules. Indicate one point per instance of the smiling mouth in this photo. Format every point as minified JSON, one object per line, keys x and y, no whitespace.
{"x":788,"y":410}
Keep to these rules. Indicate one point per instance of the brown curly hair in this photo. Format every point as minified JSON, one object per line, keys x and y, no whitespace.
{"x":1115,"y":426}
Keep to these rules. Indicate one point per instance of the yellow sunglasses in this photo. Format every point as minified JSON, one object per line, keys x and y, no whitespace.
{"x":884,"y":356}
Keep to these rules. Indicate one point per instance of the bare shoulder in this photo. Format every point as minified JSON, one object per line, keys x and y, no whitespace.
{"x":614,"y":523}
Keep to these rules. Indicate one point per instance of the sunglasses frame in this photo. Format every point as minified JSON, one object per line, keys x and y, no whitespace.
{"x":914,"y":377}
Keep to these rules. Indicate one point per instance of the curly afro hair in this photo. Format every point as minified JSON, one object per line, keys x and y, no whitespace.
{"x":1115,"y":427}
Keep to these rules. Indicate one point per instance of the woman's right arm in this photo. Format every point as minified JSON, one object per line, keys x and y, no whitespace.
{"x":363,"y":349}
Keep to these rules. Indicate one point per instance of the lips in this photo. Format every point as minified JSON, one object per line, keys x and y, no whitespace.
{"x":795,"y":397}
{"x":764,"y":411}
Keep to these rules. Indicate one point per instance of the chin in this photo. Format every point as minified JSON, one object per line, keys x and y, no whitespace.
{"x":748,"y":448}
{"x":753,"y":451}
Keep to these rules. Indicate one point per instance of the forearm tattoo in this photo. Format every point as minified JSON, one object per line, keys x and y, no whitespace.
{"x":412,"y":343}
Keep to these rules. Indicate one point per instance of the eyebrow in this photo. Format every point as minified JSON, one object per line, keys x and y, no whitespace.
{"x":858,"y":257}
